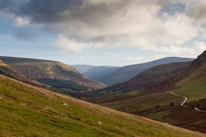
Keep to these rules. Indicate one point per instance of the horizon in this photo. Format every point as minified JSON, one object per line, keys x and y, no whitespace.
{"x":102,"y":33}
{"x":91,"y":64}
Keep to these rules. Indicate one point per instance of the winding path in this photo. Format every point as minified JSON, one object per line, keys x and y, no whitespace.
{"x":185,"y":100}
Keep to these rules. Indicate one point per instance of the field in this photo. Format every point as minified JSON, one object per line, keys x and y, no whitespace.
{"x":31,"y":111}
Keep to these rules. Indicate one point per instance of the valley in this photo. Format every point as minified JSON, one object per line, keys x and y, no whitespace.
{"x":102,"y":68}
{"x":157,"y":102}
{"x":45,"y":113}
{"x":139,"y":96}
{"x":52,"y":74}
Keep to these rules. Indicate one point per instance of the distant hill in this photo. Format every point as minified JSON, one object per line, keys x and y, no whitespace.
{"x":195,"y":72}
{"x":127,"y":72}
{"x":30,"y":111}
{"x":100,"y":71}
{"x":157,"y":102}
{"x":147,"y":78}
{"x":9,"y":71}
{"x":82,"y":68}
{"x":53,"y":73}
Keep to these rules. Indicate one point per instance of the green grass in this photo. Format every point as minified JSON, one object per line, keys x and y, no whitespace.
{"x":30,"y":111}
{"x":194,"y":86}
{"x":3,"y":64}
{"x":133,"y":92}
{"x":159,"y":116}
{"x":5,"y":69}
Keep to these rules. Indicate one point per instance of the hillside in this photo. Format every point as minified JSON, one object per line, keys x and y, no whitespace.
{"x":53,"y":73}
{"x":158,"y":103}
{"x":9,"y":71}
{"x":31,"y":111}
{"x":148,"y":77}
{"x":127,"y":72}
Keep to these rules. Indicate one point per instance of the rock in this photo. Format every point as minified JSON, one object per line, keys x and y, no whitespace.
{"x":65,"y":104}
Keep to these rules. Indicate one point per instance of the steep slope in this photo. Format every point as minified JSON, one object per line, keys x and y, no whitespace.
{"x":100,"y":71}
{"x":194,"y":72}
{"x":31,"y":111}
{"x":9,"y":71}
{"x":158,"y":103}
{"x":127,"y":72}
{"x":52,"y":73}
{"x":193,"y":81}
{"x":82,"y":68}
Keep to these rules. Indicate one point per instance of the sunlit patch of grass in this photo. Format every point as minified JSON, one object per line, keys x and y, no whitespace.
{"x":30,"y":111}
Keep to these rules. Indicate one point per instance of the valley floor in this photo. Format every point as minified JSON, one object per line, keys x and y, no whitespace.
{"x":30,"y":111}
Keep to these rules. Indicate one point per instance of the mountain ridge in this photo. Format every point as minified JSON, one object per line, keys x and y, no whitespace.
{"x":44,"y":70}
{"x":149,"y":77}
{"x":157,"y":102}
{"x":9,"y":71}
{"x":127,"y":72}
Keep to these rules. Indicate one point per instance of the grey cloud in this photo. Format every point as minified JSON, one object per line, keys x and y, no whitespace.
{"x":198,"y":11}
{"x":83,"y":12}
{"x":26,"y":35}
{"x":48,"y":11}
{"x":105,"y":23}
{"x":70,"y":11}
{"x":7,"y":5}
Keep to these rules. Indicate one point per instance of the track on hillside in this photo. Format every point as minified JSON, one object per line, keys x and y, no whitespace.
{"x":185,"y":100}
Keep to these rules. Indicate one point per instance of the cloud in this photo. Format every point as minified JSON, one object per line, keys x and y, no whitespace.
{"x":70,"y":44}
{"x":131,"y":58}
{"x":101,"y":24}
{"x":193,"y":50}
{"x":84,"y":57}
{"x":7,"y":5}
{"x":26,"y":35}
{"x":174,"y":50}
{"x":198,"y":11}
{"x":126,"y":58}
{"x":200,"y":46}
{"x":22,"y":21}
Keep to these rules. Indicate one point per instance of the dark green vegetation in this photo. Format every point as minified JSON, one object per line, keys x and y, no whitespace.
{"x":43,"y":69}
{"x":65,"y":84}
{"x":30,"y":111}
{"x":155,"y":102}
{"x":127,"y":72}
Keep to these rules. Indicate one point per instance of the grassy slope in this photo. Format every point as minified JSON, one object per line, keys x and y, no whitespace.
{"x":194,"y":86}
{"x":44,"y":69}
{"x":191,"y":82}
{"x":30,"y":111}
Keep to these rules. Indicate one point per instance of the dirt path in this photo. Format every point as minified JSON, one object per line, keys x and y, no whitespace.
{"x":185,"y":100}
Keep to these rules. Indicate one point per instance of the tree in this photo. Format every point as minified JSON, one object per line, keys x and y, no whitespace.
{"x":172,"y":104}
{"x":198,"y":105}
{"x":158,"y":106}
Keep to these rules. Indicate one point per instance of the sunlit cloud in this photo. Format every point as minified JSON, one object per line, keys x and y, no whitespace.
{"x":161,"y":26}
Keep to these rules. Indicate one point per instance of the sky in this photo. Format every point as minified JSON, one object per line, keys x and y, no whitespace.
{"x":102,"y":32}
